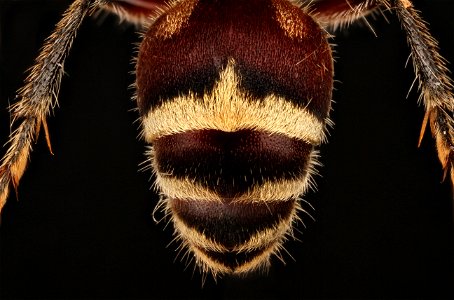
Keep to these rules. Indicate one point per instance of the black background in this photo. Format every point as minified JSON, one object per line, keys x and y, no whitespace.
{"x":82,"y":227}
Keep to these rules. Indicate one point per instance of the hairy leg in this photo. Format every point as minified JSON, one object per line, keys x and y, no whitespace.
{"x":38,"y":96}
{"x":434,"y":83}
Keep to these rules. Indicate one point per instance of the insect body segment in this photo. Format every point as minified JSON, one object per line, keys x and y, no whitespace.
{"x":234,"y":97}
{"x":233,"y":102}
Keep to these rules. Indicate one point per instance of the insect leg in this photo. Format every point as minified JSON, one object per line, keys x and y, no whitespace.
{"x":341,"y":13}
{"x":430,"y":68}
{"x":140,"y":12}
{"x":434,"y":83}
{"x":39,"y":95}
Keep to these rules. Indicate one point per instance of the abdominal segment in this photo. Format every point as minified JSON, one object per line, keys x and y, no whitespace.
{"x":231,"y":237}
{"x":232,"y":195}
{"x":231,"y":163}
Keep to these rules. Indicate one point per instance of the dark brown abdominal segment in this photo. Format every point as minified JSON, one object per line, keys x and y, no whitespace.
{"x":231,"y":224}
{"x":242,"y":232}
{"x":230,"y":163}
{"x":270,"y":60}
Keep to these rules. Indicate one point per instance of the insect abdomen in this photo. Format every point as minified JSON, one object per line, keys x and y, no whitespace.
{"x":233,"y":97}
{"x":231,"y":163}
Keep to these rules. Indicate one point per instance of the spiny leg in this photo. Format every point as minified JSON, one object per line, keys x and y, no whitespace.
{"x":434,"y":82}
{"x":430,"y":68}
{"x":39,"y":95}
{"x":341,"y":13}
{"x":40,"y":91}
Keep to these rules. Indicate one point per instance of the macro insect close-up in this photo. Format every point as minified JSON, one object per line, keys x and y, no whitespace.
{"x":284,"y":148}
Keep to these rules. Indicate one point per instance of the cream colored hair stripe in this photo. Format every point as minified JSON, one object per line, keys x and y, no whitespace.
{"x":262,"y":238}
{"x":229,"y":109}
{"x":269,"y":191}
{"x":260,"y":261}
